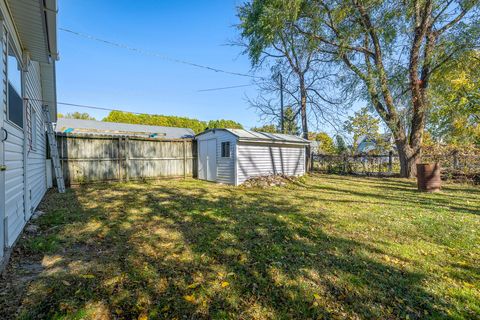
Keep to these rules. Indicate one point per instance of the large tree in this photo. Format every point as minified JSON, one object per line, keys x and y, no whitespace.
{"x":292,"y":57}
{"x":391,"y":48}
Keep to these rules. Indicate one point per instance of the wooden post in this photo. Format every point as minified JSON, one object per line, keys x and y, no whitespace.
{"x":127,"y":155}
{"x":184,"y":159}
{"x":390,"y":161}
{"x":312,"y":162}
{"x":119,"y":158}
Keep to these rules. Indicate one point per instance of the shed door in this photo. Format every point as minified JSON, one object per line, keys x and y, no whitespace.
{"x":207,"y":156}
{"x":212,"y":160}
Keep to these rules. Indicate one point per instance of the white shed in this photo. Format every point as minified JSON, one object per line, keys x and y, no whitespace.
{"x":232,"y":156}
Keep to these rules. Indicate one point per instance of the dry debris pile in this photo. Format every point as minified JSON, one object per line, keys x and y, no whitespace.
{"x":275,"y":180}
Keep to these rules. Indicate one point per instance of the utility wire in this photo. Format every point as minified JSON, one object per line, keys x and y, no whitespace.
{"x":155,"y":54}
{"x":224,"y":88}
{"x":91,"y":107}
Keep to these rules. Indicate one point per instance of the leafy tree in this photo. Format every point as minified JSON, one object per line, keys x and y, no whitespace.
{"x":270,"y":128}
{"x":230,"y":124}
{"x":340,"y":145}
{"x":363,"y":125}
{"x":76,"y":115}
{"x":289,"y":122}
{"x":267,"y":39}
{"x":455,"y":115}
{"x":390,"y":48}
{"x":326,"y":143}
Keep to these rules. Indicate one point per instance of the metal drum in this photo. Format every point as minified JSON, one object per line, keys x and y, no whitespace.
{"x":428,"y":177}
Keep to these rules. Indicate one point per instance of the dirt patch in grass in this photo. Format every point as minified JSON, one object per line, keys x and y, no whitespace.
{"x":323,"y":247}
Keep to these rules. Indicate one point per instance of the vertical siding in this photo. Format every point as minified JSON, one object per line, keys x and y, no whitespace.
{"x":2,"y":154}
{"x":14,"y":176}
{"x":225,"y":166}
{"x":255,"y":159}
{"x":36,"y":170}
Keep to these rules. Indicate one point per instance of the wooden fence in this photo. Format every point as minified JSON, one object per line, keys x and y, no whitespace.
{"x":454,"y":165}
{"x":90,"y":158}
{"x":356,"y":164}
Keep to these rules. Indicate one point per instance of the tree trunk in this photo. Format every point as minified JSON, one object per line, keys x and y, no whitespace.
{"x":303,"y":108}
{"x":409,"y":158}
{"x":303,"y":113}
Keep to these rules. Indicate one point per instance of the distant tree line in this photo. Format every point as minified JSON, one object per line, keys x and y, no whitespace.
{"x":76,"y":115}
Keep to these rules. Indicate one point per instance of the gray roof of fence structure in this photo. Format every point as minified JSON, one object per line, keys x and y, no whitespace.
{"x":66,"y":125}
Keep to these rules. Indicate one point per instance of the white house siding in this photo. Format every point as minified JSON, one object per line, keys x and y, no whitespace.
{"x":259,"y":159}
{"x":36,"y":154}
{"x":13,"y":156}
{"x":18,"y":204}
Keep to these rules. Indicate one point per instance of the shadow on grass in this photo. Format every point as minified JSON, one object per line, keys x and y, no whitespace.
{"x":207,"y":251}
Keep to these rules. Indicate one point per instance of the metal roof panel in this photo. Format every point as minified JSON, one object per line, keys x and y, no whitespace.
{"x":121,"y":129}
{"x":248,"y":135}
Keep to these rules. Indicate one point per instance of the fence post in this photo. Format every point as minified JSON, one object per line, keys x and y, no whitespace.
{"x":312,"y":164}
{"x":126,"y":148}
{"x":390,"y":161}
{"x":119,"y":158}
{"x":184,"y":159}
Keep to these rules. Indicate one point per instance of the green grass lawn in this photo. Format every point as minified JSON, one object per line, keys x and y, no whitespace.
{"x":324,"y":247}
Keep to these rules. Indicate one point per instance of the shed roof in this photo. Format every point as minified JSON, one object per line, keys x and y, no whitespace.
{"x":66,"y":125}
{"x":248,"y":135}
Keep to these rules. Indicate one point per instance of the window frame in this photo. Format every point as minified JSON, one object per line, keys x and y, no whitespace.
{"x":225,"y":149}
{"x":11,"y":46}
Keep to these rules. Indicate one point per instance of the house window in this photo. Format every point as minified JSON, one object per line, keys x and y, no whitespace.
{"x":225,"y":149}
{"x":14,"y":94}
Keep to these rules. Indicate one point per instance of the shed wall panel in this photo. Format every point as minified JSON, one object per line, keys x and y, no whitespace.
{"x":255,"y":159}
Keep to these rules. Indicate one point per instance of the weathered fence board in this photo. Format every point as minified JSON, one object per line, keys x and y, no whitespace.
{"x":90,"y":158}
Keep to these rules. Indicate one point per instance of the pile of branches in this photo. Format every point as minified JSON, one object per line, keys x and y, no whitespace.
{"x":274,"y":180}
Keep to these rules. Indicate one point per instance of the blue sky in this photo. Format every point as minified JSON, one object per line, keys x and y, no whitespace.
{"x":92,"y":73}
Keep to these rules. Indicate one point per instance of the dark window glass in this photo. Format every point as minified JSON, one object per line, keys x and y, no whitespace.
{"x":15,"y":106}
{"x":225,"y":149}
{"x":15,"y":101}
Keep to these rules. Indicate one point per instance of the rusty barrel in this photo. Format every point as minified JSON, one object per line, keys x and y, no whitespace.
{"x":428,"y":177}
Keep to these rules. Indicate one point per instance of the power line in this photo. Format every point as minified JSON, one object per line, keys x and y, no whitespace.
{"x":155,"y":54}
{"x":91,"y":107}
{"x":224,"y":88}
